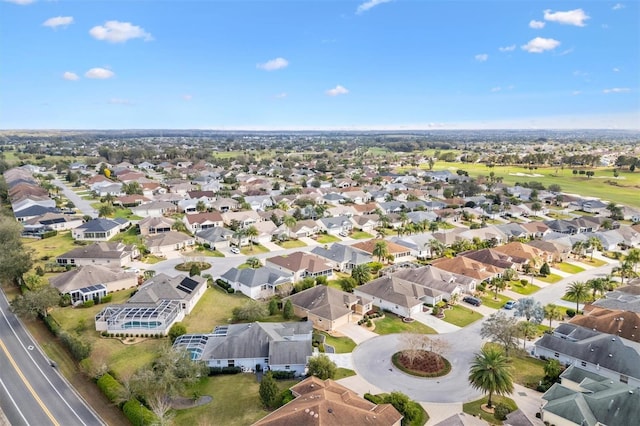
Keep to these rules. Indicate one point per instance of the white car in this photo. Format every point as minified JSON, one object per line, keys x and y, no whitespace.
{"x":344,"y":234}
{"x":235,"y":250}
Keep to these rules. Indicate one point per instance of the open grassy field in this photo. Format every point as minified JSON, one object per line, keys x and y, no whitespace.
{"x":213,"y":309}
{"x":461,"y":316}
{"x":622,"y":190}
{"x":49,"y":247}
{"x":393,"y":324}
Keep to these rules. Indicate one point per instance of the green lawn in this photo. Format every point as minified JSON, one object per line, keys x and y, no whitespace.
{"x":461,"y":316}
{"x":213,"y":309}
{"x":489,"y":301}
{"x":568,"y":268}
{"x":327,"y":239}
{"x":593,"y":262}
{"x":292,"y":244}
{"x":201,"y":251}
{"x":342,"y":345}
{"x":254,"y":249}
{"x":49,"y":247}
{"x":130,"y":236}
{"x":474,"y":408}
{"x":341,"y":373}
{"x":525,"y":290}
{"x":361,"y":235}
{"x":550,"y":279}
{"x":236,"y":401}
{"x":391,"y":324}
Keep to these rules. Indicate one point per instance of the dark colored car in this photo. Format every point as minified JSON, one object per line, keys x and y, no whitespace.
{"x":472,"y":300}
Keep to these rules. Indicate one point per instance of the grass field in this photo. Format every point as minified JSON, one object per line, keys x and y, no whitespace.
{"x":550,"y":279}
{"x":568,"y":268}
{"x":213,"y":309}
{"x":327,"y":239}
{"x":392,"y":324}
{"x":474,"y":408}
{"x":623,"y":190}
{"x":592,"y":262}
{"x":291,"y":244}
{"x":49,"y":247}
{"x":341,"y":373}
{"x":489,"y":301}
{"x":360,"y":235}
{"x":342,"y":345}
{"x":254,"y":249}
{"x":525,"y":290}
{"x":461,"y":316}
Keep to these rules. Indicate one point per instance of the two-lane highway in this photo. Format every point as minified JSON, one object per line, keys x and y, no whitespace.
{"x":32,"y":392}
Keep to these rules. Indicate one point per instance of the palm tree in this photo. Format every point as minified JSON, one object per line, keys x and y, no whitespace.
{"x":577,"y":291}
{"x":596,"y":285}
{"x":633,"y":257}
{"x":380,"y":250}
{"x":552,"y":313}
{"x":251,"y":232}
{"x":253,"y":262}
{"x":490,"y":372}
{"x":105,"y":210}
{"x":527,"y":329}
{"x":595,"y":244}
{"x":201,"y":206}
{"x":361,"y":273}
{"x":433,"y":226}
{"x":240,"y":234}
{"x":577,"y":248}
{"x":498,"y":284}
{"x":289,"y":222}
{"x":437,"y":247}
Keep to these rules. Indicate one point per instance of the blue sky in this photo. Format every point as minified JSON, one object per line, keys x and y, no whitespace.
{"x":368,"y":64}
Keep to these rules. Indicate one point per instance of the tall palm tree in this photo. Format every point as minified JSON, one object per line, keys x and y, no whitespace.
{"x":596,"y":285}
{"x":490,"y":372}
{"x":552,"y":313}
{"x":633,"y":257}
{"x":577,"y":291}
{"x":240,"y":233}
{"x":527,"y":330}
{"x":577,"y":248}
{"x":289,"y":222}
{"x":251,"y":232}
{"x":361,"y":273}
{"x":595,"y":244}
{"x":380,"y":250}
{"x":436,"y":247}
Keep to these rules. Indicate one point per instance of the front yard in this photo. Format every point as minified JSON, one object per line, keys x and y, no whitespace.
{"x":291,"y":244}
{"x":461,"y":316}
{"x":213,"y":309}
{"x":550,"y":279}
{"x":342,"y":345}
{"x":592,"y":262}
{"x":393,"y":324}
{"x":327,"y":239}
{"x":498,"y":303}
{"x":568,"y":268}
{"x":517,"y":287}
{"x":475,"y":408}
{"x":254,"y":249}
{"x":360,"y":235}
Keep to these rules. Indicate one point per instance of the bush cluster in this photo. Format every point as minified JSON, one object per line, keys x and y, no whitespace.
{"x":283,"y":375}
{"x":216,"y":371}
{"x":138,"y":414}
{"x":110,"y":387}
{"x":368,"y":317}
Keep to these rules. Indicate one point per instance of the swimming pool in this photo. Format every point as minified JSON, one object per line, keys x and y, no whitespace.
{"x":141,"y":324}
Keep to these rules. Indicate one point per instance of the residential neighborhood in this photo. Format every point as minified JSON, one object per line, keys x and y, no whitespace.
{"x":259,"y":269}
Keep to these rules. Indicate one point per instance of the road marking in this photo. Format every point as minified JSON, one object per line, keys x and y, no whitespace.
{"x":27,"y":384}
{"x":13,"y":401}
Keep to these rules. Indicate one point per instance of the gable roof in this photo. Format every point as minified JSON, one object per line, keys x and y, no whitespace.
{"x":166,"y":239}
{"x":251,"y":277}
{"x":621,"y":323}
{"x":203,"y":217}
{"x":342,"y":253}
{"x":369,"y":245}
{"x":101,"y":250}
{"x":328,"y":403}
{"x":84,"y":276}
{"x":299,"y":261}
{"x":325,"y":302}
{"x":163,"y":287}
{"x":468,"y":267}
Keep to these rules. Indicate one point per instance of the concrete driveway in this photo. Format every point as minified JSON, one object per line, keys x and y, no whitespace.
{"x":356,"y":333}
{"x":435,"y":323}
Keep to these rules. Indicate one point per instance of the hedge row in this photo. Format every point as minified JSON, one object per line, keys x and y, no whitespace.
{"x":215,"y":371}
{"x":110,"y":387}
{"x":138,"y":414}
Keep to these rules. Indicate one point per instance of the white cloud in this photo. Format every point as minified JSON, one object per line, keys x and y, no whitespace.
{"x":576,"y":92}
{"x":571,"y":17}
{"x":618,"y":6}
{"x":99,"y":73}
{"x":119,"y":32}
{"x":120,"y":101}
{"x":71,"y":76}
{"x":370,"y":5}
{"x":539,"y":45}
{"x":20,"y":2}
{"x":536,"y":24}
{"x":616,"y":69}
{"x":482,"y":57}
{"x":58,"y":21}
{"x":507,"y":48}
{"x":187,"y":97}
{"x":496,"y":89}
{"x":280,"y":95}
{"x":273,"y":64}
{"x":617,"y":90}
{"x":338,"y":90}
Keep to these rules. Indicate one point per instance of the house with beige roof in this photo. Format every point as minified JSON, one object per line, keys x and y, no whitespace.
{"x":468,"y":267}
{"x":328,"y":308}
{"x":327,"y":403}
{"x":155,"y":225}
{"x":399,"y":253}
{"x":301,"y":265}
{"x":92,"y":282}
{"x":168,"y":242}
{"x":113,"y":255}
{"x":619,"y":323}
{"x":535,"y":256}
{"x":201,"y":221}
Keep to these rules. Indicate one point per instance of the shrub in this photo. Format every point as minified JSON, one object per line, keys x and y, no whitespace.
{"x":230,"y":290}
{"x":374,"y":398}
{"x":88,"y":303}
{"x":49,"y":234}
{"x":138,"y":414}
{"x":78,"y":348}
{"x":110,"y":387}
{"x":107,"y":298}
{"x":369,"y":323}
{"x":215,"y":371}
{"x":500,"y":411}
{"x":283,"y":374}
{"x":524,"y":282}
{"x":223,"y":284}
{"x":571,"y":313}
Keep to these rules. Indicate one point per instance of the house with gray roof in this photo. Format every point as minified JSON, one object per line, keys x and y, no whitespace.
{"x":561,"y":226}
{"x":335,"y":225}
{"x":342,"y":257}
{"x":113,"y":255}
{"x":154,"y":209}
{"x":328,"y":308}
{"x":625,"y":298}
{"x":92,"y":282}
{"x":600,"y":353}
{"x":99,"y":229}
{"x":216,"y":237}
{"x":584,"y":398}
{"x":266,"y":346}
{"x":258,"y":283}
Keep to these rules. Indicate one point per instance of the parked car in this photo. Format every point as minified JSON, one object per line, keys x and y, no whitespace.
{"x":472,"y":300}
{"x":344,"y":234}
{"x":510,"y":304}
{"x":235,"y":250}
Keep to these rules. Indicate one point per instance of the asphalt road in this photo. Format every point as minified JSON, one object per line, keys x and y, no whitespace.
{"x":83,"y":205}
{"x":32,"y":392}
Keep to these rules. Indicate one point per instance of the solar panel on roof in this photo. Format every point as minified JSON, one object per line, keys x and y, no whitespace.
{"x":187,"y":285}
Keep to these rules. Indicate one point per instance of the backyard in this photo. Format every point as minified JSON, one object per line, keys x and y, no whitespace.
{"x":461,"y":316}
{"x":342,"y":345}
